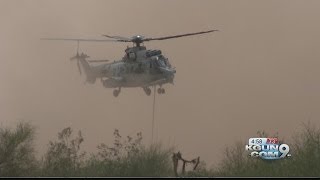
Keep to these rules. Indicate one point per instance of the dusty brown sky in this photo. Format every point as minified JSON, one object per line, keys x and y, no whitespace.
{"x":261,"y":71}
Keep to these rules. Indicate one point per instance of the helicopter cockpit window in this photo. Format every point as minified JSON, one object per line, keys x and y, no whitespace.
{"x":132,"y":55}
{"x":167,"y":62}
{"x":160,"y":62}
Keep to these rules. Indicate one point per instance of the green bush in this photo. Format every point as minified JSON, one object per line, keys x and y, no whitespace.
{"x":128,"y":157}
{"x":306,"y":152}
{"x":63,"y":157}
{"x":17,"y":151}
{"x":305,"y":160}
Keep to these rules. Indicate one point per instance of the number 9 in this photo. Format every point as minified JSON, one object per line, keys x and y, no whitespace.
{"x":284,"y":149}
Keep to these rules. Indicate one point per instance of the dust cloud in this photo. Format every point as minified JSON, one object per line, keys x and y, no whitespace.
{"x":260,"y":72}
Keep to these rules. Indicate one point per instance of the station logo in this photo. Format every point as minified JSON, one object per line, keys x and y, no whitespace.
{"x":267,"y":148}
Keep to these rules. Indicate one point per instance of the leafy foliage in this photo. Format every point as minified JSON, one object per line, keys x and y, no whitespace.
{"x":64,"y":157}
{"x":305,"y":160}
{"x":17,"y":151}
{"x":128,"y":157}
{"x":121,"y":148}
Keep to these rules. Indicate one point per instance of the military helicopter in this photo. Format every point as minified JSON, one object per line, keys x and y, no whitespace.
{"x":139,"y":67}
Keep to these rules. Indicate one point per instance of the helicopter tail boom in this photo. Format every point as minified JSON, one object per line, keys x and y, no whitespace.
{"x":81,"y":60}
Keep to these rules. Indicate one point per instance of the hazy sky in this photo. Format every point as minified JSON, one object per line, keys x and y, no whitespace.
{"x":260,"y":72}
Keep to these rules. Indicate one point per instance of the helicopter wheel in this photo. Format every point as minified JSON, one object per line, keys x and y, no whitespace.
{"x":147,"y":91}
{"x":161,"y":91}
{"x":116,"y":93}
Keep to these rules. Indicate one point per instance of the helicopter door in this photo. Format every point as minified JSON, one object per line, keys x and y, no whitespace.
{"x":150,"y":64}
{"x":116,"y":70}
{"x":158,"y":62}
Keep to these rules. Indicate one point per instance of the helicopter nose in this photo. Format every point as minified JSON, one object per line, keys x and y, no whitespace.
{"x":172,"y":71}
{"x":168,"y":71}
{"x":170,"y":74}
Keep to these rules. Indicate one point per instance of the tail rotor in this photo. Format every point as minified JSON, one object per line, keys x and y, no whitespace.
{"x":77,"y":57}
{"x":79,"y":68}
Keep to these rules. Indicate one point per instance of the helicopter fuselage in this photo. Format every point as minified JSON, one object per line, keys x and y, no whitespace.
{"x":138,"y":68}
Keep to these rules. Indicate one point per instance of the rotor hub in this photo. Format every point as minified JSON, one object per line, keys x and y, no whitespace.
{"x":137,"y":39}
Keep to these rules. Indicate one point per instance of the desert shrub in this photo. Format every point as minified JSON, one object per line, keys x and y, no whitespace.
{"x":17,"y":156}
{"x":152,"y":161}
{"x":129,"y":158}
{"x":305,"y":160}
{"x":63,"y":157}
{"x":306,"y":152}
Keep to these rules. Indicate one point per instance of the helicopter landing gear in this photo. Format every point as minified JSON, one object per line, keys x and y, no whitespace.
{"x":161,"y":90}
{"x":147,"y":90}
{"x":116,"y":92}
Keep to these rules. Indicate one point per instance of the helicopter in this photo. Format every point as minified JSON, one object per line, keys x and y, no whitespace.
{"x":139,"y":67}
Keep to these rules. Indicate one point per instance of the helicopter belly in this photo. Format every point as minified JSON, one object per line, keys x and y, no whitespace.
{"x":133,"y":80}
{"x":111,"y":83}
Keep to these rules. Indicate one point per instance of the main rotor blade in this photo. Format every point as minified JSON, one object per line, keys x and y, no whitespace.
{"x":102,"y":60}
{"x":124,"y":39}
{"x":71,"y":39}
{"x":177,"y":36}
